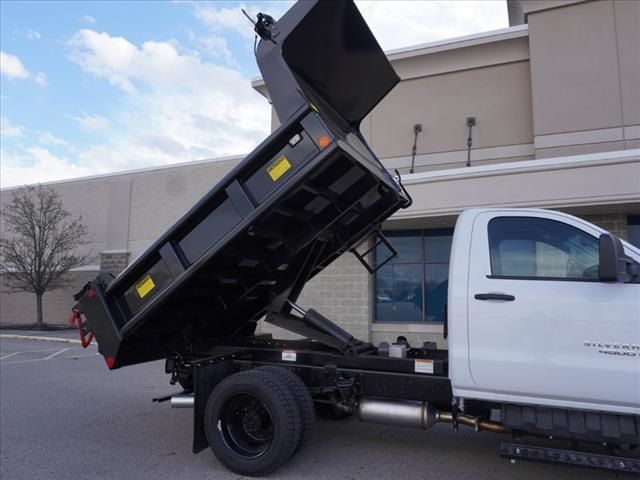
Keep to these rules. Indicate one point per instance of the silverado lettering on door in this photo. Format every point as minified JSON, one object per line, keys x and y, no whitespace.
{"x":620,"y":349}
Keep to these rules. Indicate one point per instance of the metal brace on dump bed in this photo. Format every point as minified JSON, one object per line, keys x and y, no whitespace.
{"x":380,"y":239}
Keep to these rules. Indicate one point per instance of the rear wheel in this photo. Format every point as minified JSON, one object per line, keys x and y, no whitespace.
{"x":252,"y":422}
{"x":303,"y":397}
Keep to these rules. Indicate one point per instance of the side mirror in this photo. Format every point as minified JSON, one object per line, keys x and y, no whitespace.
{"x":614,"y":264}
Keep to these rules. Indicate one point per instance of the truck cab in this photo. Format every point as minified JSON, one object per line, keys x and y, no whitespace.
{"x":530,"y":320}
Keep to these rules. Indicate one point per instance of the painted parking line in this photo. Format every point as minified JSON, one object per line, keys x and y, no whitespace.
{"x":73,"y":357}
{"x":32,"y":360}
{"x":55,"y":354}
{"x":9,"y":355}
{"x":42,"y":350}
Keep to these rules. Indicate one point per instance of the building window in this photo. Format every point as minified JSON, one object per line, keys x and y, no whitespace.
{"x":634,"y":229}
{"x":412,"y":287}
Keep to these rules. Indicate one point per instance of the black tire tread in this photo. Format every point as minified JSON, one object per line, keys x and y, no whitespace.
{"x":291,"y":427}
{"x":305,"y":401}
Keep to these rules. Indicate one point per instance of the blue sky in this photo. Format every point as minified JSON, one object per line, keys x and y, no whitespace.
{"x":97,"y":87}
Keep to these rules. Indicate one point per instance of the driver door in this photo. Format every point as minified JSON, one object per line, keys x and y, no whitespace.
{"x":536,"y":307}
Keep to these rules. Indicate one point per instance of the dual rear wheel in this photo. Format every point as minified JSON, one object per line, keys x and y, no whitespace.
{"x":257,"y":419}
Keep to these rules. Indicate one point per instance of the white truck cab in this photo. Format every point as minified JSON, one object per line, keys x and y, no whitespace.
{"x":530,"y":321}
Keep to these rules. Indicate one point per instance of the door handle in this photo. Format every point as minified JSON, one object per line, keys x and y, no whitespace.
{"x":494,"y":296}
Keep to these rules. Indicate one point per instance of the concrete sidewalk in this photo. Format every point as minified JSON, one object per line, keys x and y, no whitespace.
{"x":64,"y":336}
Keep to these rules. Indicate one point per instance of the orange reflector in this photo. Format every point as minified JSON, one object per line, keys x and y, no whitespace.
{"x":324,"y":141}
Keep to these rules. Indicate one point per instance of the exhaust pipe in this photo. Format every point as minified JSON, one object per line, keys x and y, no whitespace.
{"x":182,"y":401}
{"x":422,"y":415}
{"x":401,"y":413}
{"x":476,"y":423}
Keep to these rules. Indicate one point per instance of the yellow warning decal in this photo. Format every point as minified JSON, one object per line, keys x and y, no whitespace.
{"x":278,"y":168}
{"x":144,"y":286}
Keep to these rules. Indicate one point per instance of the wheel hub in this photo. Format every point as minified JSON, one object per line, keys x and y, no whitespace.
{"x":247,"y":425}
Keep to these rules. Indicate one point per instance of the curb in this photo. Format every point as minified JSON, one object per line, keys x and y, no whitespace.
{"x":45,"y":339}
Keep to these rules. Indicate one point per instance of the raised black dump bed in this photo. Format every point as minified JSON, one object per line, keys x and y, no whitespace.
{"x":310,"y":192}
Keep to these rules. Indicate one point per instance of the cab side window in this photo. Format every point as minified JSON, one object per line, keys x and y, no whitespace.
{"x":527,"y":247}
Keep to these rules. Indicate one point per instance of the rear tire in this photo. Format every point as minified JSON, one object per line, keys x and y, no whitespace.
{"x":303,"y":397}
{"x":252,"y":422}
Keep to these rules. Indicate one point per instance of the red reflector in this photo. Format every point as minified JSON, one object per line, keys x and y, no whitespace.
{"x":92,"y":294}
{"x":110,"y":362}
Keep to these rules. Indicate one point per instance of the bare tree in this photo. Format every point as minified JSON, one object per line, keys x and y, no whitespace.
{"x":38,"y":244}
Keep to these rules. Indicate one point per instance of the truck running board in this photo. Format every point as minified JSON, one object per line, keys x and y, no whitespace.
{"x":532,"y":453}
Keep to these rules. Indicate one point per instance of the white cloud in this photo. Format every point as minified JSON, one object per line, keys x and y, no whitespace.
{"x":12,"y":130}
{"x":216,"y":47}
{"x":396,"y":24}
{"x":11,"y":67}
{"x":218,"y":19}
{"x":29,"y":160}
{"x":87,"y":19}
{"x":41,"y":79}
{"x":153,"y":65}
{"x":90,"y":122}
{"x":37,"y":165}
{"x":399,"y":23}
{"x":232,"y":19}
{"x":32,"y":34}
{"x":9,"y":130}
{"x":104,"y":56}
{"x":175,"y":106}
{"x":48,"y":138}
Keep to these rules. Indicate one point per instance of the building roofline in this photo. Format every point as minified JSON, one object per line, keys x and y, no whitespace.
{"x":408,"y":179}
{"x":543,"y":164}
{"x":128,"y":172}
{"x":491,"y":36}
{"x":428,"y":48}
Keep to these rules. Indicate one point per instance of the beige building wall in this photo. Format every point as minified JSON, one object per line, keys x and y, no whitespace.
{"x":627,"y":19}
{"x":497,"y":96}
{"x":160,"y":197}
{"x":520,"y":9}
{"x":20,"y":308}
{"x":585,"y":75}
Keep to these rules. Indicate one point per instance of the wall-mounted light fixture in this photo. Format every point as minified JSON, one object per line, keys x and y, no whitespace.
{"x":417,"y":128}
{"x":471,"y":121}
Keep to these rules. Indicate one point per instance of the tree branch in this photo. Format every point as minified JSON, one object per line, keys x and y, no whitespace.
{"x":40,"y":241}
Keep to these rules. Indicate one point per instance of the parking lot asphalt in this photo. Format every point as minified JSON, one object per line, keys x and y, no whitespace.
{"x":64,"y":415}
